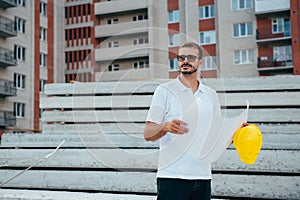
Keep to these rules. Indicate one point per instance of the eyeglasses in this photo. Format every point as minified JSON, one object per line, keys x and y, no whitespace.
{"x":190,"y":58}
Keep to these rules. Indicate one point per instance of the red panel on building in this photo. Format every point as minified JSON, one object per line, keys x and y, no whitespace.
{"x":173,"y":52}
{"x":173,"y":5}
{"x":173,"y":27}
{"x":50,"y":39}
{"x":265,"y":51}
{"x":207,"y":24}
{"x":209,"y":74}
{"x":209,"y":50}
{"x":36,"y":109}
{"x":205,"y":2}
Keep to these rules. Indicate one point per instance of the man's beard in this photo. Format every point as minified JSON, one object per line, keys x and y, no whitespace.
{"x":188,"y":72}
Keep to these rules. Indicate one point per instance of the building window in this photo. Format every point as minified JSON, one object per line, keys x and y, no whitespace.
{"x":113,"y":44}
{"x":206,"y":12}
{"x":113,"y":67}
{"x":41,"y":112}
{"x":140,"y":41}
{"x":42,"y":85}
{"x":243,"y":29}
{"x":174,"y":64}
{"x":89,"y":9}
{"x":21,"y":2}
{"x":241,"y":4}
{"x":19,"y":81}
{"x":174,"y":40}
{"x":140,"y":17}
{"x":20,"y":25}
{"x":244,"y":56}
{"x":19,"y":53}
{"x":209,"y":62}
{"x":141,"y":65}
{"x":282,"y":53}
{"x":281,"y":25}
{"x":113,"y":21}
{"x":43,"y":60}
{"x":173,"y":16}
{"x":43,"y":8}
{"x":208,"y":37}
{"x":19,"y":109}
{"x":43,"y":33}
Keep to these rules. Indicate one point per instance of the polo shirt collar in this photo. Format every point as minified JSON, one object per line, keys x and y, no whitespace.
{"x":182,"y":87}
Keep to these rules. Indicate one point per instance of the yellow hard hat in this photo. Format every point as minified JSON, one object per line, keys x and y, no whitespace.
{"x":248,"y":140}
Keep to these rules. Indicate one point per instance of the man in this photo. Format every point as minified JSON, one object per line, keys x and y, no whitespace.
{"x":181,"y":174}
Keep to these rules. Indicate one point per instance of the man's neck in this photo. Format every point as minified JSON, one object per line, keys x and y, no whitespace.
{"x":190,"y":81}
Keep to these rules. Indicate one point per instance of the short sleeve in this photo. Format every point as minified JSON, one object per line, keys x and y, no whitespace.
{"x":157,"y":109}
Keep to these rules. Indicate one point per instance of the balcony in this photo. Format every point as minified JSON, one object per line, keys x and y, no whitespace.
{"x":7,"y":118}
{"x":124,"y":28}
{"x":278,"y":8}
{"x":116,"y":7}
{"x":7,"y":58}
{"x":7,"y":88}
{"x":76,"y":3}
{"x":123,"y":74}
{"x":123,"y":52}
{"x":278,"y":64}
{"x":7,"y":4}
{"x":266,"y":37}
{"x":7,"y":27}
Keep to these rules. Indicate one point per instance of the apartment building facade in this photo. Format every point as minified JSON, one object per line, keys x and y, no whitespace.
{"x":217,"y":25}
{"x":115,"y":40}
{"x":7,"y":60}
{"x":131,"y":39}
{"x":239,"y":37}
{"x":237,"y":49}
{"x":79,"y":40}
{"x":278,"y":37}
{"x":30,"y":58}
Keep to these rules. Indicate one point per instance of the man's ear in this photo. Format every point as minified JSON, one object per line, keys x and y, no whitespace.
{"x":200,"y":62}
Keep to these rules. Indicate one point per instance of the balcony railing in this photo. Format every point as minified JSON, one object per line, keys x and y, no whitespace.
{"x":110,"y":7}
{"x":262,"y":34}
{"x":122,"y":52}
{"x":7,"y":58}
{"x":7,"y":88}
{"x":124,"y":28}
{"x":265,"y":36}
{"x":7,"y":3}
{"x":281,"y":61}
{"x":7,"y":27}
{"x":7,"y":118}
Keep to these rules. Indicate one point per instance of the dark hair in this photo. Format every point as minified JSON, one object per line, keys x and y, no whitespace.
{"x":193,"y":45}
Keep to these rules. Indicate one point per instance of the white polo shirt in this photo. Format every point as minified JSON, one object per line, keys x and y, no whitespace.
{"x":171,"y":101}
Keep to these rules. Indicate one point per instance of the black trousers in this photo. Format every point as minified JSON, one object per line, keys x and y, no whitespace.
{"x":181,"y":189}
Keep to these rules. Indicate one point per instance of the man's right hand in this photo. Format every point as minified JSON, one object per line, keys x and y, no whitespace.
{"x":176,"y":126}
{"x":153,"y":131}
